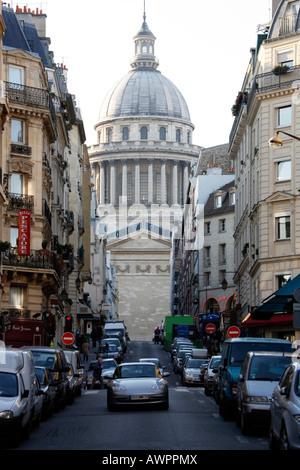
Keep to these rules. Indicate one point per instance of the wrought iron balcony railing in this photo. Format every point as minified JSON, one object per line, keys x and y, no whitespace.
{"x":20,"y":201}
{"x":38,"y":259}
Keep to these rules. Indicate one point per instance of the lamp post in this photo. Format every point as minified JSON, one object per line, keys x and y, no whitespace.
{"x":276,"y":142}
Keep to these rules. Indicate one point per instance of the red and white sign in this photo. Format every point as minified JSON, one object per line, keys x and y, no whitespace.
{"x":24,"y":232}
{"x":210,"y":328}
{"x":68,"y":338}
{"x":233,"y":332}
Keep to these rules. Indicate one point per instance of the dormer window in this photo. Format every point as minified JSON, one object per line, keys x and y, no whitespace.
{"x":218,"y":201}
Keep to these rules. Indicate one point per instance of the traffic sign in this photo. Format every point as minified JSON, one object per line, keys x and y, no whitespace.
{"x":68,"y":338}
{"x":233,"y":332}
{"x":210,"y":328}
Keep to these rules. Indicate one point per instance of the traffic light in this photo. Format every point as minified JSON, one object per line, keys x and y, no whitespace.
{"x":68,"y":323}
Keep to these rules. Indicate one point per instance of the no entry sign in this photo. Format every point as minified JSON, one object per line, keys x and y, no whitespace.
{"x":210,"y":328}
{"x":68,"y":338}
{"x":233,"y":332}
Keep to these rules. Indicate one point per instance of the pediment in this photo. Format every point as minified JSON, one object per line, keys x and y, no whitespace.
{"x":280,"y":196}
{"x":143,"y":240}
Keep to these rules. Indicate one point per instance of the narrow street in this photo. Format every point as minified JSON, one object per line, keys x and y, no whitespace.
{"x":191,"y":423}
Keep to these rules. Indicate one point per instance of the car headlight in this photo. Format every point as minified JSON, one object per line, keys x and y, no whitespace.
{"x":118,"y":388}
{"x":297,"y":418}
{"x":158,"y":386}
{"x":189,"y":375}
{"x":6,"y":414}
{"x":258,"y":399}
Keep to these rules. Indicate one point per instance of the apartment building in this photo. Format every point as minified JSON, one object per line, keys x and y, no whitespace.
{"x":267,"y":250}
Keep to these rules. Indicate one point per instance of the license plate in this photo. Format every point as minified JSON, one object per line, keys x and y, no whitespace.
{"x":139,"y":397}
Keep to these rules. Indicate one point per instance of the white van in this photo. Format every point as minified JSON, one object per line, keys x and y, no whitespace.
{"x":115,"y":327}
{"x":21,"y":399}
{"x":73,"y":357}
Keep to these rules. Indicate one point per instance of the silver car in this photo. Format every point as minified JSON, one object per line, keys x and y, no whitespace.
{"x":285,"y":411}
{"x":155,"y":361}
{"x":136,"y":384}
{"x":260,"y":373}
{"x":209,"y":374}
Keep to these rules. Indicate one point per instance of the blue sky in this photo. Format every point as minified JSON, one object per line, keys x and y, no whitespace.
{"x":203,"y":47}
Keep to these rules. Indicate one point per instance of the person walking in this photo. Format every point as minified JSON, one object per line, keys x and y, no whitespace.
{"x":156,"y":335}
{"x":97,"y":373}
{"x":85,"y":350}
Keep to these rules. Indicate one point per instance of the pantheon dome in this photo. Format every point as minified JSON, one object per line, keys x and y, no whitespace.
{"x":141,"y":166}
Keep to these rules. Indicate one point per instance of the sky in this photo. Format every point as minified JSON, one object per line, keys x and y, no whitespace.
{"x":203,"y":47}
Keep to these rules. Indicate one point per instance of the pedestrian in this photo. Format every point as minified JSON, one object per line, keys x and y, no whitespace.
{"x":156,"y":335}
{"x":85,"y":350}
{"x":97,"y":373}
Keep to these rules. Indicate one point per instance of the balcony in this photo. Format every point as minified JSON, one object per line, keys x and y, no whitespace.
{"x":20,"y":201}
{"x":37,"y":97}
{"x":38,"y":259}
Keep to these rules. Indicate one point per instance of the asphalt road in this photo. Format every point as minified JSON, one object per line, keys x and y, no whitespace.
{"x":192,"y":422}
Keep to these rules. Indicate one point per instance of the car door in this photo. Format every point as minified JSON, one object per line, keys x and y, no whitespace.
{"x":279,"y":399}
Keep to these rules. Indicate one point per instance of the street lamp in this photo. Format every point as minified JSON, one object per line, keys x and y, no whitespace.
{"x":276,"y":142}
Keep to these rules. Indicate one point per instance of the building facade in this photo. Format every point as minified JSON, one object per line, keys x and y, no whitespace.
{"x":267,"y":179}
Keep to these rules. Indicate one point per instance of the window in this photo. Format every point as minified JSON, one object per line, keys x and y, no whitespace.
{"x":16,"y":296}
{"x":283,"y":227}
{"x":232,"y":198}
{"x":17,"y":131}
{"x":109,"y":134}
{"x":125,"y":133}
{"x":285,"y":58}
{"x":178,"y":135}
{"x":282,"y":280}
{"x":144,"y":133}
{"x":207,"y":256}
{"x":222,"y":253}
{"x":207,"y":228}
{"x":283,"y":172}
{"x":284,"y":116}
{"x":162,"y":133}
{"x":16,"y":77}
{"x":188,"y":137}
{"x":17,"y":183}
{"x":222,"y":225}
{"x":14,"y":234}
{"x":218,"y":201}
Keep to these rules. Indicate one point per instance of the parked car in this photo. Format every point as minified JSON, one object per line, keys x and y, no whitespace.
{"x":55,"y":361}
{"x":209,"y":375}
{"x":137,"y":384}
{"x":48,"y":389}
{"x":177,"y":344}
{"x":20,"y":398}
{"x":110,"y":351}
{"x":155,"y":361}
{"x":191,"y":371}
{"x":178,"y":359}
{"x":73,"y":357}
{"x":285,"y":411}
{"x":114,"y":341}
{"x":233,"y":355}
{"x":72,"y":385}
{"x":259,"y":376}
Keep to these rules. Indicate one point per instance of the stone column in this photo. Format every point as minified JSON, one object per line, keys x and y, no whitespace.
{"x":185,"y":181}
{"x":150,"y":181}
{"x":137,"y":182}
{"x":124,"y":181}
{"x":112,"y":183}
{"x":163,"y":182}
{"x":102,"y":183}
{"x":175,"y":183}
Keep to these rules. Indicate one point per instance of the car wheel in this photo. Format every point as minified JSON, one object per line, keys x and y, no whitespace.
{"x":245,"y":422}
{"x":284,"y":440}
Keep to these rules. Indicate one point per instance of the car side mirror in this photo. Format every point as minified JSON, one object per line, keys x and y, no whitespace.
{"x":283,"y":391}
{"x":215,"y":371}
{"x":241,"y":378}
{"x":166,"y":374}
{"x":25,"y":394}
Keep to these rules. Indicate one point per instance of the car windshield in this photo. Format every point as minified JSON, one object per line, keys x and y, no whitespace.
{"x":239,"y":350}
{"x":194,"y":363}
{"x":8,"y":385}
{"x":45,"y":359}
{"x":267,"y":368}
{"x":110,"y":341}
{"x":215,"y":362}
{"x":135,"y":371}
{"x":155,"y":361}
{"x":108,"y":364}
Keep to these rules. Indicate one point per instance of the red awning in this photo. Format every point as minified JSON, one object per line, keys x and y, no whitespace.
{"x":276,"y":320}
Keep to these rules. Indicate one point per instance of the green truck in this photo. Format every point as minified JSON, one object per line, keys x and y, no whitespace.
{"x":178,"y":325}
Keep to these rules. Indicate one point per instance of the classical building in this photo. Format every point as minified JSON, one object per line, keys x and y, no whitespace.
{"x":141,"y":166}
{"x":267,"y":250}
